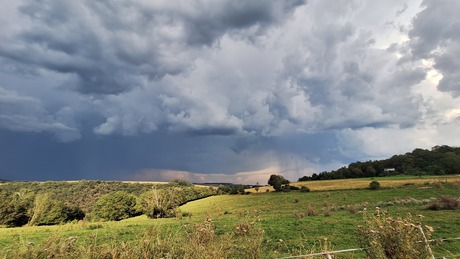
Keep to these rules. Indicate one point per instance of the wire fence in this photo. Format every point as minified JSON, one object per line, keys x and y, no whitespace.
{"x":329,"y":254}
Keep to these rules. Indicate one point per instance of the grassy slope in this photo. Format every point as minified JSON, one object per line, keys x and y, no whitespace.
{"x":362,"y":183}
{"x":278,"y":214}
{"x":285,"y":232}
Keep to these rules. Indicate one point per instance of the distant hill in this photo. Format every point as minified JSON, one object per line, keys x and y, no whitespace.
{"x":440,"y":160}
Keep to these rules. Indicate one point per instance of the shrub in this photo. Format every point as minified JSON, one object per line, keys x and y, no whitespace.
{"x":293,"y":188}
{"x":352,"y":208}
{"x":304,"y":188}
{"x":115,"y":206}
{"x":438,"y":185}
{"x":445,"y":203}
{"x":456,"y":185}
{"x":387,"y":237}
{"x":327,"y":212}
{"x":311,"y":211}
{"x":374,"y":185}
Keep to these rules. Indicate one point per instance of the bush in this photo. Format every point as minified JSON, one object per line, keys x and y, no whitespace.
{"x":387,"y":237}
{"x":311,"y":211}
{"x":445,"y":203}
{"x":304,"y":188}
{"x":293,"y":188}
{"x":327,"y":212}
{"x":438,"y":185}
{"x":231,"y":189}
{"x":352,"y":209}
{"x":374,"y":185}
{"x":115,"y":206}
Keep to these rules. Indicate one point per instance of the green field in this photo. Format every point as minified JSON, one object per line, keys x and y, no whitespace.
{"x":287,"y":229}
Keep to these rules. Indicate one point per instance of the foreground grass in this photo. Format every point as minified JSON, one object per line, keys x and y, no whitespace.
{"x":283,"y":217}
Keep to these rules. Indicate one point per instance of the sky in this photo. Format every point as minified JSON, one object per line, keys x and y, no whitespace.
{"x":222,"y":90}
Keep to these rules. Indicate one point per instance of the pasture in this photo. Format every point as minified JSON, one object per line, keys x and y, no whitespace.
{"x":283,"y":224}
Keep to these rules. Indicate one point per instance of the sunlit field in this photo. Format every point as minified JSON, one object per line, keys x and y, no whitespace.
{"x":361,"y":183}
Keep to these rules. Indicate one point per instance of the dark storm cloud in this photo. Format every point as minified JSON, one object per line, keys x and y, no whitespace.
{"x":204,"y":27}
{"x":111,"y":47}
{"x":436,"y":35}
{"x":142,"y":88}
{"x":27,"y":114}
{"x":37,"y":156}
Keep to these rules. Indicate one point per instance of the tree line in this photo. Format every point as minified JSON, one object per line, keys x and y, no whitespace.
{"x":440,"y":160}
{"x":50,"y":203}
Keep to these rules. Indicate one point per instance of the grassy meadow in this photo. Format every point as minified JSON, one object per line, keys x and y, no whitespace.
{"x":362,"y":183}
{"x":276,"y":224}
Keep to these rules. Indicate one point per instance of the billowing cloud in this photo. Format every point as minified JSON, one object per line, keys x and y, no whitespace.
{"x":111,"y":47}
{"x":27,"y":114}
{"x":217,"y":88}
{"x":435,"y":36}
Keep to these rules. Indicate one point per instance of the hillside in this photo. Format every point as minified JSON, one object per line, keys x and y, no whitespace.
{"x":266,"y":225}
{"x":440,"y":160}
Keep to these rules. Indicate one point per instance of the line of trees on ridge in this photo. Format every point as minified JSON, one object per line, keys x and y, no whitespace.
{"x":440,"y":160}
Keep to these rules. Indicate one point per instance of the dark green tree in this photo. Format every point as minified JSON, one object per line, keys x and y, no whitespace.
{"x":115,"y":206}
{"x":277,"y":181}
{"x":180,"y":182}
{"x":15,"y":208}
{"x":47,"y":210}
{"x":374,"y":185}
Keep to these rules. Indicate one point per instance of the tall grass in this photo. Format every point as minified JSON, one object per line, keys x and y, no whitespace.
{"x":196,"y":240}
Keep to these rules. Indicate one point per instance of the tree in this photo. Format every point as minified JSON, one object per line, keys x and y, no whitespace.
{"x":180,"y":182}
{"x":160,"y":203}
{"x":277,"y":181}
{"x":374,"y":185}
{"x":47,"y":210}
{"x":15,"y":208}
{"x":257,"y":187}
{"x":115,"y":206}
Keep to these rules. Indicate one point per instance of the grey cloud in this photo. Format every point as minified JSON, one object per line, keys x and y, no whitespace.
{"x":205,"y":27}
{"x":352,"y":83}
{"x":319,"y":79}
{"x":212,"y":86}
{"x":324,"y":76}
{"x":436,"y":35}
{"x":27,"y":114}
{"x":112,"y":47}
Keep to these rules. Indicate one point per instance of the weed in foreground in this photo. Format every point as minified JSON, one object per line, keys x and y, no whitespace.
{"x":394,"y":238}
{"x":197,"y":240}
